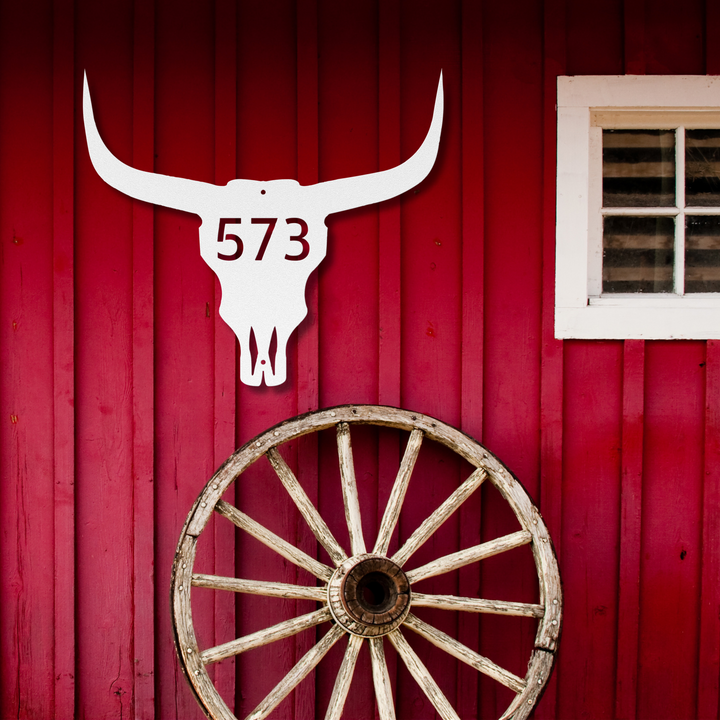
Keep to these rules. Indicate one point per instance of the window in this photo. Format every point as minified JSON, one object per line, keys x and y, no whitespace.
{"x":638,"y":207}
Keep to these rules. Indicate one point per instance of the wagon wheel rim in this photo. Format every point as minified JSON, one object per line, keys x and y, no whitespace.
{"x":389,"y":612}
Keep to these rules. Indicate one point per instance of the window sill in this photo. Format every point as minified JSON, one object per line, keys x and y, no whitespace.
{"x":624,"y":317}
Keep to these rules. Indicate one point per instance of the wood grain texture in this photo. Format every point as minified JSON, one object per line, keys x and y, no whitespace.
{"x":631,"y":526}
{"x":27,"y":390}
{"x":263,"y":637}
{"x":381,"y":680}
{"x":461,"y":652}
{"x":400,"y":486}
{"x":306,"y":508}
{"x":709,"y":653}
{"x":344,"y":678}
{"x":184,"y":288}
{"x":269,"y":538}
{"x":224,"y":374}
{"x":63,"y":364}
{"x":555,"y":42}
{"x":118,"y":389}
{"x":422,"y":676}
{"x":143,"y":370}
{"x":298,"y":673}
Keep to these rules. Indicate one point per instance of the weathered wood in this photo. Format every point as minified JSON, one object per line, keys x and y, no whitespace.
{"x":343,"y":679}
{"x":381,"y":680}
{"x":184,"y":631}
{"x":431,"y":524}
{"x":476,"y":605}
{"x":264,"y":637}
{"x":296,"y":675}
{"x":539,"y":669}
{"x":392,"y":511}
{"x":307,"y":509}
{"x":349,"y":488}
{"x":280,"y":546}
{"x":548,"y":611}
{"x":422,"y":676}
{"x":473,"y":554}
{"x":256,"y":587}
{"x":464,"y":653}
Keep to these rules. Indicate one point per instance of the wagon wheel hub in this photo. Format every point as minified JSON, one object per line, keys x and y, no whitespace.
{"x":369,"y":595}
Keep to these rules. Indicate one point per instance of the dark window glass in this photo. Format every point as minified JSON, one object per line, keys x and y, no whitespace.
{"x":702,"y":254}
{"x":638,"y":168}
{"x":638,"y":254}
{"x":702,"y":168}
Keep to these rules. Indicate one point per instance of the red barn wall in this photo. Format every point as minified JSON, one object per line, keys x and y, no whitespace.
{"x":119,"y":388}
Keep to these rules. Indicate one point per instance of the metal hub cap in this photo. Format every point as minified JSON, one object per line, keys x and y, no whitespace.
{"x":369,"y":595}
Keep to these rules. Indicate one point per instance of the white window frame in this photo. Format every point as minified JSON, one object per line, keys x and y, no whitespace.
{"x":585,"y":106}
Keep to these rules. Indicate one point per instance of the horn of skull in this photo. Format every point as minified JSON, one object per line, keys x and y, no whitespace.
{"x":263,"y":238}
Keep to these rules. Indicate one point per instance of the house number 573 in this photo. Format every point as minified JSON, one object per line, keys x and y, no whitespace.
{"x":270,"y":222}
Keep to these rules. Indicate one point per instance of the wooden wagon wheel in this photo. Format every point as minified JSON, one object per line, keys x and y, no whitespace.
{"x":368,"y":595}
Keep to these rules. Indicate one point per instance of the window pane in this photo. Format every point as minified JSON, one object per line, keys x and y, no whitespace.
{"x":638,"y":168}
{"x":702,"y":254}
{"x":638,"y":254}
{"x":702,"y":167}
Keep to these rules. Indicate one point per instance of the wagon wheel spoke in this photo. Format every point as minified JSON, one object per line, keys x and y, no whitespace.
{"x":344,"y":678}
{"x":471,"y":555}
{"x":349,"y":489}
{"x":431,"y":524}
{"x":366,"y":595}
{"x":422,"y":676}
{"x":259,"y":587}
{"x":297,"y":674}
{"x":477,"y":605}
{"x":464,"y":653}
{"x":381,"y":680}
{"x":307,"y":509}
{"x":392,"y":511}
{"x":274,"y":542}
{"x":269,"y":635}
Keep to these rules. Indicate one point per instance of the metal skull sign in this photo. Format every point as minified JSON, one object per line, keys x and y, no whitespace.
{"x":263,"y":238}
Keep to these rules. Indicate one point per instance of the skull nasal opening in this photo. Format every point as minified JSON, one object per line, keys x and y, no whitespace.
{"x":255,"y":352}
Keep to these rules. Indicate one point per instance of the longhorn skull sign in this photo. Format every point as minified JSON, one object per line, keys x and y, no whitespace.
{"x":263,"y":238}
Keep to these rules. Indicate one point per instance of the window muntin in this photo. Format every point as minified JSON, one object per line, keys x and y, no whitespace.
{"x":646,"y":171}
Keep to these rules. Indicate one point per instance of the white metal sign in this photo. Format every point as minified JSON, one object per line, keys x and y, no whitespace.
{"x":263,"y":238}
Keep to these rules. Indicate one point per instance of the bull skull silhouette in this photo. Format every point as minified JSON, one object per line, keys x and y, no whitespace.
{"x":263,"y":238}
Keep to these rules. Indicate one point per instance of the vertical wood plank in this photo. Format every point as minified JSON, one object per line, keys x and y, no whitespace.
{"x":389,"y":262}
{"x":143,"y":368}
{"x":389,"y":309}
{"x":307,"y":149}
{"x":634,"y":21}
{"x":709,"y":655}
{"x":675,"y":417}
{"x":28,"y":392}
{"x":104,"y":411}
{"x":63,"y":352}
{"x":513,"y":281}
{"x":184,"y":325}
{"x":672,"y":496}
{"x":712,"y":33}
{"x":308,"y":340}
{"x":224,"y":338}
{"x":630,"y":528}
{"x":266,"y":149}
{"x":431,"y":304}
{"x":551,"y":371}
{"x":348,"y":120}
{"x":473,"y":268}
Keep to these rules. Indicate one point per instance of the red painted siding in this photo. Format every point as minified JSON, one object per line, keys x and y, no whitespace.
{"x":119,"y":391}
